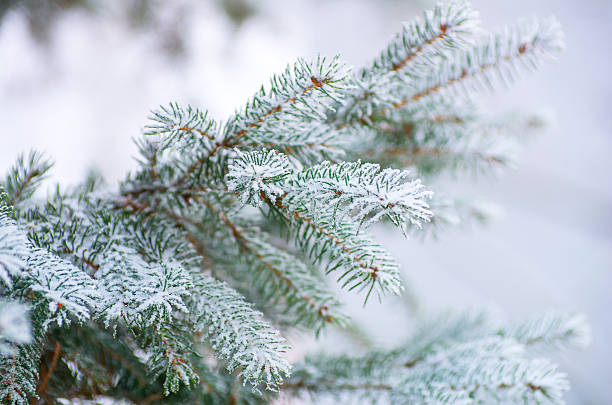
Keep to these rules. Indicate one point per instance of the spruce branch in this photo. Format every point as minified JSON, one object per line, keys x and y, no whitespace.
{"x":183,"y":128}
{"x":420,"y":44}
{"x":25,"y":176}
{"x":174,"y":131}
{"x":149,"y":299}
{"x":552,"y":330}
{"x":304,"y":91}
{"x":364,"y":263}
{"x":498,"y":375}
{"x":480,"y":156}
{"x":364,"y":191}
{"x":361,"y":190}
{"x":140,"y":293}
{"x":301,"y":95}
{"x":159,"y":280}
{"x":237,"y":333}
{"x":284,"y":277}
{"x":455,"y":364}
{"x":444,"y":27}
{"x":256,"y":174}
{"x":280,"y":276}
{"x":68,"y":291}
{"x":495,"y":57}
{"x":168,"y":356}
{"x":319,"y":227}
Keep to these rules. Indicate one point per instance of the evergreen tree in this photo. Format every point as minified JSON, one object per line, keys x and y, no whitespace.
{"x":175,"y":287}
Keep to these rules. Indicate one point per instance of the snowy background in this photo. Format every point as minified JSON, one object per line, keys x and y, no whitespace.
{"x":82,"y":88}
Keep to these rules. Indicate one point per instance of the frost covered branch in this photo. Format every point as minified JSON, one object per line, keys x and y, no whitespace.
{"x":179,"y":285}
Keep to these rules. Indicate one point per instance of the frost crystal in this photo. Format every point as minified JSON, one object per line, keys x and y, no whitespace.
{"x":255,"y":174}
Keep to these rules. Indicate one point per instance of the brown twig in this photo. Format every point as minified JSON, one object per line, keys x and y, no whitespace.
{"x":417,"y":51}
{"x":301,"y":385}
{"x":42,"y":388}
{"x":95,"y":267}
{"x":24,"y":185}
{"x":464,"y":75}
{"x":199,"y":131}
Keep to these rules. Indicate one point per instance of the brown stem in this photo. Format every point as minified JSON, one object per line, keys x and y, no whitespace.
{"x":95,"y":267}
{"x":24,"y":185}
{"x":42,"y":388}
{"x":411,"y":155}
{"x":198,"y":249}
{"x":417,"y":51}
{"x":465,"y":74}
{"x":475,"y":387}
{"x":301,"y":385}
{"x":199,"y":131}
{"x":398,"y":66}
{"x":153,"y":397}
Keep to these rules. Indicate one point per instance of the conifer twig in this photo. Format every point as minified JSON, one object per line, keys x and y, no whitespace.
{"x":47,"y":375}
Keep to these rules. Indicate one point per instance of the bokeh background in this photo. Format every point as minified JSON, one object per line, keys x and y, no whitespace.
{"x":78,"y":77}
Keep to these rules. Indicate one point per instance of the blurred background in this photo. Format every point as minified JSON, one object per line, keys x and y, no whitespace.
{"x":78,"y":77}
